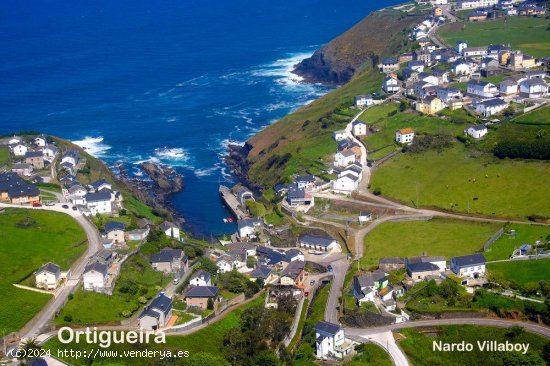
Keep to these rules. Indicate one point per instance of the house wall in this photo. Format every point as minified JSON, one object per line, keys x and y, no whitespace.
{"x":46,"y":281}
{"x":148,"y":323}
{"x":116,"y":235}
{"x":93,"y":280}
{"x":199,"y":302}
{"x":162,"y":266}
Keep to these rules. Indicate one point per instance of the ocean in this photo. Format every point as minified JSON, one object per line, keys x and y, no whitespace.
{"x":169,"y":81}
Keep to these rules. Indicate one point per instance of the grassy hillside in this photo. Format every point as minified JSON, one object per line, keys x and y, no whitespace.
{"x":522,"y":272}
{"x":531,"y":35}
{"x":46,"y":236}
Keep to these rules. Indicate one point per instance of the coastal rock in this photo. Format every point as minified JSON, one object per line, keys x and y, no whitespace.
{"x":236,"y":159}
{"x":166,"y":179}
{"x":378,"y":35}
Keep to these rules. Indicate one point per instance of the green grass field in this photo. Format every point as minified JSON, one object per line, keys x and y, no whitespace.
{"x":92,"y":308}
{"x":453,"y":179}
{"x":385,"y":138}
{"x":4,"y":156}
{"x":540,"y":116}
{"x":418,"y":346}
{"x":207,"y":340}
{"x":522,"y":272}
{"x":54,"y":237}
{"x":531,"y":35}
{"x":434,"y":237}
{"x":371,"y":355}
{"x":524,"y":234}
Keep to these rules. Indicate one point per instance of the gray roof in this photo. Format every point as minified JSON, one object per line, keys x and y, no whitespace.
{"x":99,"y":183}
{"x":478,"y":127}
{"x":260,"y":272}
{"x":248,"y":223}
{"x":391,"y":260}
{"x":422,"y":267}
{"x":51,"y":268}
{"x":15,"y":186}
{"x":293,"y":270}
{"x":203,"y":275}
{"x":33,"y":154}
{"x":160,"y":304}
{"x":327,"y":329}
{"x":533,"y":82}
{"x":202,"y":291}
{"x":104,"y":195}
{"x":166,"y":255}
{"x":323,"y":241}
{"x":168,"y":225}
{"x":98,"y":267}
{"x":493,"y":102}
{"x":469,"y":260}
{"x":114,"y":225}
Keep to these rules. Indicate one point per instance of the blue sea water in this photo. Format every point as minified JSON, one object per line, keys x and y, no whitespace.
{"x":173,"y":81}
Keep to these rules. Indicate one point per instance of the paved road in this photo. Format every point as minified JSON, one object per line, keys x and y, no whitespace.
{"x":387,"y":342}
{"x":339,"y":268}
{"x":531,"y":327}
{"x":40,"y":322}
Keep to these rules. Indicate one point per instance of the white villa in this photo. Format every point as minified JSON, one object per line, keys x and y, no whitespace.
{"x":404,"y":136}
{"x":331,"y":342}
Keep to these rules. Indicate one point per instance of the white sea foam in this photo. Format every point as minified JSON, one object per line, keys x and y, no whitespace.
{"x":205,"y":172}
{"x":171,"y":153}
{"x":93,"y":146}
{"x":282,"y":69}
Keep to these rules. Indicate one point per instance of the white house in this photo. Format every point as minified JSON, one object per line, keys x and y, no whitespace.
{"x":482,"y":89}
{"x":19,"y":149}
{"x":508,"y":87}
{"x":114,"y":230}
{"x":448,"y":94}
{"x":321,"y":243}
{"x":460,"y":46}
{"x":14,"y":140}
{"x":461,"y":67}
{"x":359,"y":128}
{"x":40,"y":141}
{"x":390,"y":85}
{"x":76,"y":194}
{"x":201,"y":278}
{"x":472,"y":265}
{"x":170,"y":229}
{"x":345,"y":183}
{"x":224,"y":263}
{"x":99,"y":202}
{"x":157,"y":313}
{"x":490,"y":107}
{"x":404,"y":136}
{"x":340,"y":135}
{"x":247,"y":227}
{"x":476,"y":131}
{"x":363,"y":288}
{"x":331,"y":342}
{"x":416,"y":65}
{"x":362,"y":101}
{"x":49,"y":152}
{"x":95,"y":276}
{"x":70,"y":157}
{"x":48,"y":276}
{"x":344,"y":158}
{"x":472,"y":4}
{"x":533,"y":88}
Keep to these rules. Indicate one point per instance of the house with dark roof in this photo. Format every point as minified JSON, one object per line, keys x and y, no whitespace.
{"x":319,"y":243}
{"x":114,"y":230}
{"x":330,"y":341}
{"x":157,"y":314}
{"x":170,"y":229}
{"x":35,"y":158}
{"x":14,"y":189}
{"x":305,"y":181}
{"x":271,"y":258}
{"x":247,"y":227}
{"x":293,"y":274}
{"x":169,"y":260}
{"x":262,"y":272}
{"x":391,"y":263}
{"x":476,"y":131}
{"x":99,"y":202}
{"x":472,"y":265}
{"x":100,"y":184}
{"x":389,"y":64}
{"x":95,"y":276}
{"x":490,"y":107}
{"x":198,"y":296}
{"x":70,"y":157}
{"x":48,"y":276}
{"x":201,"y":278}
{"x":299,"y":196}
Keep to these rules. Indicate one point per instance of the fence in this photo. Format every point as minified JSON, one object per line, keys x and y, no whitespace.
{"x":492,"y":239}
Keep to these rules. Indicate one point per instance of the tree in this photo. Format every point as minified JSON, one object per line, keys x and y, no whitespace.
{"x":260,"y":282}
{"x":206,"y":359}
{"x":209,"y":266}
{"x":251,"y":262}
{"x":210,"y":304}
{"x":257,"y":209}
{"x":431,"y":288}
{"x":30,"y":348}
{"x":235,"y":347}
{"x":448,"y":289}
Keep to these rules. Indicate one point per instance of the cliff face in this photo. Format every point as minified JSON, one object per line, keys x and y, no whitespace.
{"x":379,"y":34}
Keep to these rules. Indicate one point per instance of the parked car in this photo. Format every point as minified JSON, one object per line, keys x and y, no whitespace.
{"x":74,"y":208}
{"x":36,"y":204}
{"x":65,"y":206}
{"x":312,"y":282}
{"x":329,"y":268}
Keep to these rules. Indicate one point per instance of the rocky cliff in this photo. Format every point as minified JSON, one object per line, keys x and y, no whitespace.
{"x":378,"y":35}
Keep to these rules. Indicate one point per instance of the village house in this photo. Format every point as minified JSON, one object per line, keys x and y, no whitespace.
{"x":264,"y":273}
{"x":14,"y":189}
{"x":198,"y":296}
{"x":331,"y":342}
{"x":70,"y":157}
{"x":390,"y":85}
{"x":95,"y":276}
{"x":419,"y":268}
{"x":99,"y":202}
{"x":346,"y":183}
{"x":476,"y":131}
{"x":48,"y":277}
{"x":170,"y":229}
{"x":482,"y":89}
{"x":247,"y":228}
{"x":490,"y":107}
{"x":344,"y":158}
{"x":50,"y":152}
{"x":293,"y":274}
{"x":19,"y":149}
{"x":35,"y":158}
{"x":533,"y":88}
{"x":430,"y":105}
{"x":359,"y":128}
{"x":305,"y":181}
{"x":388,"y":264}
{"x":340,"y":135}
{"x":319,"y":243}
{"x":416,"y":65}
{"x":201,"y":278}
{"x":75,"y":193}
{"x":404,"y":135}
{"x":299,"y":196}
{"x":477,"y":16}
{"x":362,"y":101}
{"x":472,"y":4}
{"x":114,"y":230}
{"x":474,"y":52}
{"x":530,"y":9}
{"x":449,"y":94}
{"x":472,"y":265}
{"x":225,"y":263}
{"x":15,"y":140}
{"x":169,"y":260}
{"x":389,"y":64}
{"x":535,"y":74}
{"x":40,"y":140}
{"x":22,"y":169}
{"x":508,"y":87}
{"x":100,"y":185}
{"x":367,"y":285}
{"x":424,"y":56}
{"x":137,"y":234}
{"x":461,"y":67}
{"x":157,"y":314}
